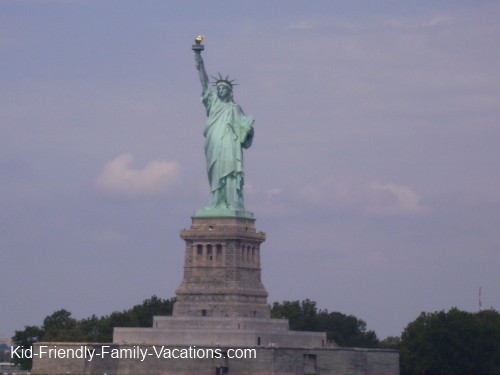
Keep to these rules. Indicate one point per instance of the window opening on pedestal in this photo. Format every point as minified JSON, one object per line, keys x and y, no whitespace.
{"x":218,"y":255}
{"x":310,"y":364}
{"x":204,"y":313}
{"x":209,"y":252}
{"x":221,"y":370}
{"x":199,"y":253}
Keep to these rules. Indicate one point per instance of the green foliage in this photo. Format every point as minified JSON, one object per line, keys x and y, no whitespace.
{"x":347,"y":330}
{"x":62,"y":327}
{"x":137,"y":316}
{"x":303,"y":316}
{"x":455,"y":342}
{"x":390,"y":342}
{"x":344,"y":330}
{"x":25,"y":339}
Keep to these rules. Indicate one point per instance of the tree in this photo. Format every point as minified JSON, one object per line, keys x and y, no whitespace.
{"x":302,"y":316}
{"x":138,"y":316}
{"x":347,"y":330}
{"x":25,"y":339}
{"x":489,"y":326}
{"x":344,"y":330}
{"x":143,"y":314}
{"x":89,"y":329}
{"x":390,"y":342}
{"x":455,"y":342}
{"x":61,"y":326}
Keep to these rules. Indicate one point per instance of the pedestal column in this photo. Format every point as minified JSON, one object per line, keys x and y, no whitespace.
{"x":222,"y":275}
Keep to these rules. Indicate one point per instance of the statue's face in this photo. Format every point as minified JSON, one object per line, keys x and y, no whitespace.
{"x":223,"y":92}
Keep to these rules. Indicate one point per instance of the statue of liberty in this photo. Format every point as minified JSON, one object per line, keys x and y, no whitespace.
{"x":227,"y":132}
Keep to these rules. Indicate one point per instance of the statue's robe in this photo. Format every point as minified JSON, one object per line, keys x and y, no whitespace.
{"x":227,"y":132}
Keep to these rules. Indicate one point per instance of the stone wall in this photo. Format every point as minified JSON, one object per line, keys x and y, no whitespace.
{"x":269,"y":360}
{"x":222,"y":274}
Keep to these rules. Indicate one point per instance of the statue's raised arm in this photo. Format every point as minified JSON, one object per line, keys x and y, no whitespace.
{"x":201,"y":69}
{"x":227,"y":132}
{"x":197,"y":48}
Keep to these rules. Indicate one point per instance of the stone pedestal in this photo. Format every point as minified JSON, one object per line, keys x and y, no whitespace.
{"x":228,"y":332}
{"x":222,"y":275}
{"x":221,"y":300}
{"x":221,"y":305}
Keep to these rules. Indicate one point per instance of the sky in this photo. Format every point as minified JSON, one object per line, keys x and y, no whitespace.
{"x":374,"y":169}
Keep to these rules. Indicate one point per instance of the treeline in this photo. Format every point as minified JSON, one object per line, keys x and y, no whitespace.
{"x":62,"y":327}
{"x":453,"y":342}
{"x":341,"y":329}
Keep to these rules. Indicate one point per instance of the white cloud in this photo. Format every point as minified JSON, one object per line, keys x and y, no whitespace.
{"x":392,"y":198}
{"x":374,"y":198}
{"x":119,"y":176}
{"x":430,"y":21}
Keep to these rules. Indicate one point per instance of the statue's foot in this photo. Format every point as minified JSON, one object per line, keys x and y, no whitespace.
{"x":222,"y":211}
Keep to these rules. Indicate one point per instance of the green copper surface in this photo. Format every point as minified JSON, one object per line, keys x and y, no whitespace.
{"x":217,"y":212}
{"x":227,"y":132}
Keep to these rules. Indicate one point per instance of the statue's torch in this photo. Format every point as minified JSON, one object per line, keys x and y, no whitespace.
{"x":198,"y":47}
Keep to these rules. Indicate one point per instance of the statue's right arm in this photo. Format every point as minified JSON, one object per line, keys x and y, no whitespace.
{"x":201,"y":69}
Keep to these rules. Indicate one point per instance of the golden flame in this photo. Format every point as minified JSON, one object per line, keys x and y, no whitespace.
{"x":199,"y":39}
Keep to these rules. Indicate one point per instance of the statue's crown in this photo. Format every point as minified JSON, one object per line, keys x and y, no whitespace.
{"x":223,"y":81}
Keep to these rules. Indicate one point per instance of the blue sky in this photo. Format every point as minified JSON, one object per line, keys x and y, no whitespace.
{"x":374,"y":168}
